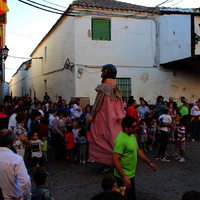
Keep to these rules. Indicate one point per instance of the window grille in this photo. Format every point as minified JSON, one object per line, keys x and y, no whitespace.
{"x":125,"y":86}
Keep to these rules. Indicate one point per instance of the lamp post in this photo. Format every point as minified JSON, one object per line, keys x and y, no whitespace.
{"x":4,"y":52}
{"x":4,"y":55}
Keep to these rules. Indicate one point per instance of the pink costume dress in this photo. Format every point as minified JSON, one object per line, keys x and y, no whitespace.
{"x":107,"y":113}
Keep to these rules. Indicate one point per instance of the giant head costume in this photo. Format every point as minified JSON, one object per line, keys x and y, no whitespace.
{"x":108,"y":71}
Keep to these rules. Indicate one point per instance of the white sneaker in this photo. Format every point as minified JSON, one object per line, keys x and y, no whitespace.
{"x":91,"y":161}
{"x":193,"y":140}
{"x":182,"y":159}
{"x":165,"y":159}
{"x":81,"y":161}
{"x":178,"y":158}
{"x":84,"y":162}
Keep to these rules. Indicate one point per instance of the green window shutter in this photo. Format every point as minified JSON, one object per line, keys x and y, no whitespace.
{"x":101,"y":29}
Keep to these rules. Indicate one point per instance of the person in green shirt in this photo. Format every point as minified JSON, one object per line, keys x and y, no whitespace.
{"x":183,"y":109}
{"x":125,"y":155}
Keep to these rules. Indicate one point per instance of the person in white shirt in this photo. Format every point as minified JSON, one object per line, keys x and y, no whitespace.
{"x":15,"y":181}
{"x":51,"y":119}
{"x":77,"y":109}
{"x":165,"y":121}
{"x":195,"y":120}
{"x":12,"y":121}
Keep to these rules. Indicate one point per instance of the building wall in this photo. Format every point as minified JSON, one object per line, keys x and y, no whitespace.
{"x":48,"y":74}
{"x":146,"y":82}
{"x":132,"y":42}
{"x":175,"y":37}
{"x":132,"y":50}
{"x":18,"y":86}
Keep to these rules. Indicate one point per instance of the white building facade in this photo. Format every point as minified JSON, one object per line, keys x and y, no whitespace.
{"x":143,"y":43}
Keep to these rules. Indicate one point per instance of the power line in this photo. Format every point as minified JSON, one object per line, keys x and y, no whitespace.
{"x":27,"y":58}
{"x":44,"y":5}
{"x":177,"y":2}
{"x":10,"y":68}
{"x":19,"y":34}
{"x":19,"y":57}
{"x":54,"y":4}
{"x":167,"y":1}
{"x":46,"y":9}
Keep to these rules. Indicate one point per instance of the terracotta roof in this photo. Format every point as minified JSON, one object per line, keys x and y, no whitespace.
{"x":114,"y":5}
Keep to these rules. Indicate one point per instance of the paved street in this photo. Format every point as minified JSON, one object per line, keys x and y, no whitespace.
{"x":169,"y":183}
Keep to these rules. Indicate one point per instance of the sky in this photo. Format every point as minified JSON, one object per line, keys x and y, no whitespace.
{"x":26,"y":26}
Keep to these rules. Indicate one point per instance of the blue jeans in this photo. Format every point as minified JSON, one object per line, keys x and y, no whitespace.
{"x":163,"y":143}
{"x":195,"y":130}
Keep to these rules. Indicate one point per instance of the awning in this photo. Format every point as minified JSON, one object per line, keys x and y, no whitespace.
{"x":191,"y":63}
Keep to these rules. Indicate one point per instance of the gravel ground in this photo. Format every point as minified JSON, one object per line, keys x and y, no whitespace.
{"x":170,"y":182}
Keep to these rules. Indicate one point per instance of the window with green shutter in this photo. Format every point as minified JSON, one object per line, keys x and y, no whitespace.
{"x":101,"y":29}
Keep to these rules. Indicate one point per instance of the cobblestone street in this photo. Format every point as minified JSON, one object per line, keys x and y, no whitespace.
{"x":172,"y":179}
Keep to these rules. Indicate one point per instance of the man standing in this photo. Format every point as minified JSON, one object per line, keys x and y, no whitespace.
{"x":183,"y":109}
{"x":125,"y":155}
{"x":66,"y":110}
{"x":15,"y":181}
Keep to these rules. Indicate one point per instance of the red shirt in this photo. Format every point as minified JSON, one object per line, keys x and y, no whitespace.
{"x":133,"y":113}
{"x":44,"y":129}
{"x":3,"y":116}
{"x":69,"y":137}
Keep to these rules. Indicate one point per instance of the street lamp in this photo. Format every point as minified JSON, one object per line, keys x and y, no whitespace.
{"x":4,"y":52}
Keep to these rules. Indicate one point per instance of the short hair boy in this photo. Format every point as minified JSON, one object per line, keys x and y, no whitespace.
{"x":40,"y":191}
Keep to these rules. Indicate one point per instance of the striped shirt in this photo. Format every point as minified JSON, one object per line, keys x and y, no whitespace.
{"x":181,"y":133}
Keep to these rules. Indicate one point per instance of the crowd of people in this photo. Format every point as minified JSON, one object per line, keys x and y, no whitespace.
{"x":165,"y":121}
{"x":42,"y":125}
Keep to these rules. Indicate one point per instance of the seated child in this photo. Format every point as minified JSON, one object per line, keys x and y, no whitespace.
{"x":108,"y":196}
{"x":191,"y":195}
{"x":110,"y":185}
{"x":40,"y":191}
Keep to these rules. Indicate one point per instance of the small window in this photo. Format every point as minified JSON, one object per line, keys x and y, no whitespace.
{"x":125,"y":86}
{"x":101,"y":29}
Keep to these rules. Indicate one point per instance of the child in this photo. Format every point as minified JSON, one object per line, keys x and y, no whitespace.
{"x":44,"y":148}
{"x":174,"y":127}
{"x":35,"y":124}
{"x":110,"y":185}
{"x":143,"y":135}
{"x":181,"y":140}
{"x":152,"y":132}
{"x":75,"y":131}
{"x":82,"y":146}
{"x":69,"y":144}
{"x":36,"y":152}
{"x":39,"y":191}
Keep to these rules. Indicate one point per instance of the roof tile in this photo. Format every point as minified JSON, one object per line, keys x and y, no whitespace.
{"x":112,"y":4}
